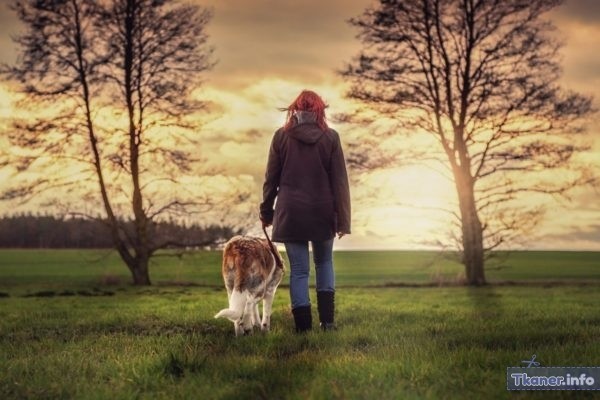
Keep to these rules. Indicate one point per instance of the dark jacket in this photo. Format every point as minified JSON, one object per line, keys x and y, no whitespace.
{"x":307,"y":173}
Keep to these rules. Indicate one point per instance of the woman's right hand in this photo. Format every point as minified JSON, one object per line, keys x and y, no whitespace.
{"x":340,"y":234}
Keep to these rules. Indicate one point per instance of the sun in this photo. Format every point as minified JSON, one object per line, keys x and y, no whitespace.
{"x":407,"y":208}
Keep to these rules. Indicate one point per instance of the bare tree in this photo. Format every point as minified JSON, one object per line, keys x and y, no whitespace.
{"x":117,"y":78}
{"x":481,"y":77}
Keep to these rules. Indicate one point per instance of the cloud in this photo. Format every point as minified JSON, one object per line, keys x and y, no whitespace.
{"x":591,"y":234}
{"x":586,"y":11}
{"x":269,"y":50}
{"x":266,"y":38}
{"x":575,"y":238}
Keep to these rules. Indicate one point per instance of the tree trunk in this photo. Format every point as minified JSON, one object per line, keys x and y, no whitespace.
{"x":472,"y":231}
{"x":139,"y":272}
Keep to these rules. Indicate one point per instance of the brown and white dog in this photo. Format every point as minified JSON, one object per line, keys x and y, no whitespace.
{"x":250,"y":274}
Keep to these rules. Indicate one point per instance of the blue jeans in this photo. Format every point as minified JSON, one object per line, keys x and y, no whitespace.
{"x":297,"y":253}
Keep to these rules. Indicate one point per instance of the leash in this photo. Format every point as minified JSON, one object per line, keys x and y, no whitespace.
{"x":273,"y":249}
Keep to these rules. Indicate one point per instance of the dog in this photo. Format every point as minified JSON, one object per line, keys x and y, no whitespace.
{"x":251,"y":274}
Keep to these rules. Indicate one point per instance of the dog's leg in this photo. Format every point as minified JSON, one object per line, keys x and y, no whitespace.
{"x":253,"y":310}
{"x":239,"y":330}
{"x":248,"y":315}
{"x":241,"y":305}
{"x":267,"y":310}
{"x":256,"y":315}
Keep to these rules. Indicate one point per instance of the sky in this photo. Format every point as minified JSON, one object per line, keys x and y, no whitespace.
{"x":267,"y":51}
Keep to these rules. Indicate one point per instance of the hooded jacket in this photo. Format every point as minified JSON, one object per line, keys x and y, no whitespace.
{"x":306,"y":171}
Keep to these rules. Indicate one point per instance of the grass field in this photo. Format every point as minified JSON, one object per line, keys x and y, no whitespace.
{"x":97,"y":337}
{"x":25,"y":270}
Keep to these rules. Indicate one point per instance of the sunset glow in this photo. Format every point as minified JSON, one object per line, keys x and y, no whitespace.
{"x":267,"y":52}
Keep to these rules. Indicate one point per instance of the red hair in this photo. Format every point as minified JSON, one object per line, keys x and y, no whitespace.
{"x":307,"y":100}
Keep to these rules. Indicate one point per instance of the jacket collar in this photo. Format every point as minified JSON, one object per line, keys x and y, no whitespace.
{"x":304,"y":117}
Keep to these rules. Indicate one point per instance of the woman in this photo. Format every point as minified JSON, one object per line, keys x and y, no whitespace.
{"x":307,"y":173}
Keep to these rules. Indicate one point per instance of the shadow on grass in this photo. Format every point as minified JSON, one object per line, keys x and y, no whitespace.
{"x":143,"y":328}
{"x":86,"y":293}
{"x":259,"y":366}
{"x":493,"y":327}
{"x":486,"y":303}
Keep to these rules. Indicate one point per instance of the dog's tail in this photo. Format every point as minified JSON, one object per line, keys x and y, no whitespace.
{"x":237,"y":304}
{"x":227,"y":313}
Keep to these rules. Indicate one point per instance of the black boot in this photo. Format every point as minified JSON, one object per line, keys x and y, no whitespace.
{"x":302,"y":318}
{"x":326,"y":306}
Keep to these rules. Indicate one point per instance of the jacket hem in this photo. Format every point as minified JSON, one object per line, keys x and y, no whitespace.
{"x":300,"y":239}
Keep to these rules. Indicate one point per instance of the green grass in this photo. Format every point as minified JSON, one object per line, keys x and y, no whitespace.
{"x":24,"y":270}
{"x":391,"y":343}
{"x":117,"y":341}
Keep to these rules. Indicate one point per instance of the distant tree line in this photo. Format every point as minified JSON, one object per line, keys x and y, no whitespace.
{"x":48,"y":231}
